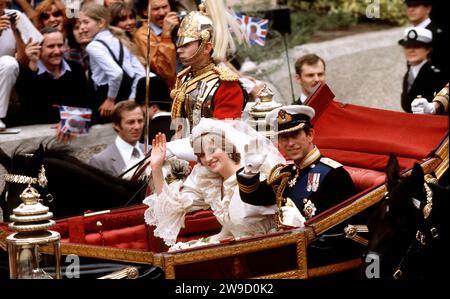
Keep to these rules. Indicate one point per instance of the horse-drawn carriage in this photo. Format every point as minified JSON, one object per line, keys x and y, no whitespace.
{"x":332,"y":242}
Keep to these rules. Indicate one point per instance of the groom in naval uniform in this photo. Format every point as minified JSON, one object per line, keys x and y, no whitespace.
{"x":304,"y":188}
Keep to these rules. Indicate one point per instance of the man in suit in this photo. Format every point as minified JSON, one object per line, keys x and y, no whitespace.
{"x":422,"y":78}
{"x":159,"y":106}
{"x":126,"y":151}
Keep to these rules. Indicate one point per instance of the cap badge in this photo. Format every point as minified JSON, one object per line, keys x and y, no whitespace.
{"x":412,"y":34}
{"x":283,"y":117}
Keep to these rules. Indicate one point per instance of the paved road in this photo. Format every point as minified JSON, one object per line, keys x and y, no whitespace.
{"x":364,"y":69}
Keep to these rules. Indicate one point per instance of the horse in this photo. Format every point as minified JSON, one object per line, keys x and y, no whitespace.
{"x":408,"y":229}
{"x":72,"y":187}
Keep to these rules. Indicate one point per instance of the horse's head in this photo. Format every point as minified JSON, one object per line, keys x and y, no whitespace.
{"x":402,"y":213}
{"x":24,"y":168}
{"x":72,"y":186}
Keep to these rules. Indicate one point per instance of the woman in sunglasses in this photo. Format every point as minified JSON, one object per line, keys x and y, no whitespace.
{"x":50,"y":13}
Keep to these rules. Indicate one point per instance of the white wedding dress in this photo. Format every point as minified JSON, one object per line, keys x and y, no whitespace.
{"x":203,"y":190}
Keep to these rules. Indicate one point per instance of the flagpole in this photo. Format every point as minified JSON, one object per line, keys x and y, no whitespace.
{"x":289,"y":66}
{"x":147,"y":83}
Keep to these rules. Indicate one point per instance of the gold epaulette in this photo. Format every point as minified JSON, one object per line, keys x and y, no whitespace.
{"x":277,"y":173}
{"x":330,"y":162}
{"x":225,"y":74}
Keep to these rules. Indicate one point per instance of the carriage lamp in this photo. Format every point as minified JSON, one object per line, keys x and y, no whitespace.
{"x":258,"y":112}
{"x":33,"y":246}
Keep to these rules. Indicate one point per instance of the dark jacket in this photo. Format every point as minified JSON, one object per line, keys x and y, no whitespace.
{"x":335,"y":185}
{"x":39,"y":94}
{"x":428,"y":81}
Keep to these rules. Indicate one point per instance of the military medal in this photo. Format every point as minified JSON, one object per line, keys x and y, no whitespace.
{"x":308,"y":209}
{"x":313,"y":182}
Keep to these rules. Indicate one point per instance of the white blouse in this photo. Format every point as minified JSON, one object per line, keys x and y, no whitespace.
{"x":203,"y":190}
{"x":104,"y":68}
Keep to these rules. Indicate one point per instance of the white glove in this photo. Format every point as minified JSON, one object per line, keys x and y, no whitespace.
{"x":291,"y":215}
{"x":254,"y":156}
{"x":180,"y":148}
{"x":422,"y":106}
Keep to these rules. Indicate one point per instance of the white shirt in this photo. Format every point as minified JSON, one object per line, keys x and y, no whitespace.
{"x":126,"y":151}
{"x":424,"y":23}
{"x":41,"y":68}
{"x":415,"y":69}
{"x":7,"y":39}
{"x":104,"y":68}
{"x":303,"y":98}
{"x":156,"y":29}
{"x":161,"y":113}
{"x":27,"y":31}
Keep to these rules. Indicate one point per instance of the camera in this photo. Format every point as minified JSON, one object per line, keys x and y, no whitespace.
{"x":12,"y":17}
{"x":181,"y":15}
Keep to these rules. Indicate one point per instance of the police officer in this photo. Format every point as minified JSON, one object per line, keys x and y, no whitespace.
{"x":307,"y":187}
{"x":422,"y":78}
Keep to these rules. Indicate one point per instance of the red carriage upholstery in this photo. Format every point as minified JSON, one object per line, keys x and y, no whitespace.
{"x":125,"y":228}
{"x":363,"y":137}
{"x":365,"y":179}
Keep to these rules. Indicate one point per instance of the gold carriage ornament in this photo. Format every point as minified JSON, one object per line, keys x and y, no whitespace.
{"x":33,"y":246}
{"x":258,"y":112}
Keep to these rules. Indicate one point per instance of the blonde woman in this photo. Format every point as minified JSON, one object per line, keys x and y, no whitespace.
{"x":115,"y":70}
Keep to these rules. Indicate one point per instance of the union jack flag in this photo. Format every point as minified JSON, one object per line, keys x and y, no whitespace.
{"x":75,"y":120}
{"x":254,"y":28}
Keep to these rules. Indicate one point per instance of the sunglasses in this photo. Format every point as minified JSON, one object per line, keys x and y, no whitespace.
{"x":45,"y":16}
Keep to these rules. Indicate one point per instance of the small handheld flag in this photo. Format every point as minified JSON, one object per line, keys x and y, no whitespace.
{"x":254,"y":28}
{"x":75,"y":120}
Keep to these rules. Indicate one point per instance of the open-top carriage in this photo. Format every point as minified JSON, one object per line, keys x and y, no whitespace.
{"x":332,"y":242}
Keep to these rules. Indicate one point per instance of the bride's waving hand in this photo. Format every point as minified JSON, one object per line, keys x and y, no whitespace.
{"x":157,"y":159}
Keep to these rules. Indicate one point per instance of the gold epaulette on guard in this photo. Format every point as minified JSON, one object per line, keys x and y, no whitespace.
{"x":225,"y":74}
{"x":277,"y":173}
{"x":330,"y":162}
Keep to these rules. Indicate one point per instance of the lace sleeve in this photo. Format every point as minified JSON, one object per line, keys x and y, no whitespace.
{"x":167,"y":210}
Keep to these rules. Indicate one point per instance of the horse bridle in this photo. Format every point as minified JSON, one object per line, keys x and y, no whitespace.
{"x":41,"y":180}
{"x":23,"y":179}
{"x":427,"y":231}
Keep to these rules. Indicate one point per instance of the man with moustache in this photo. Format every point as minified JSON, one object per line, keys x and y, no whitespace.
{"x":49,"y":80}
{"x":163,"y":54}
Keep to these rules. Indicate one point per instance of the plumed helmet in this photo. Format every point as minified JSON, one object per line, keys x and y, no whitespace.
{"x":211,"y":23}
{"x":197,"y":25}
